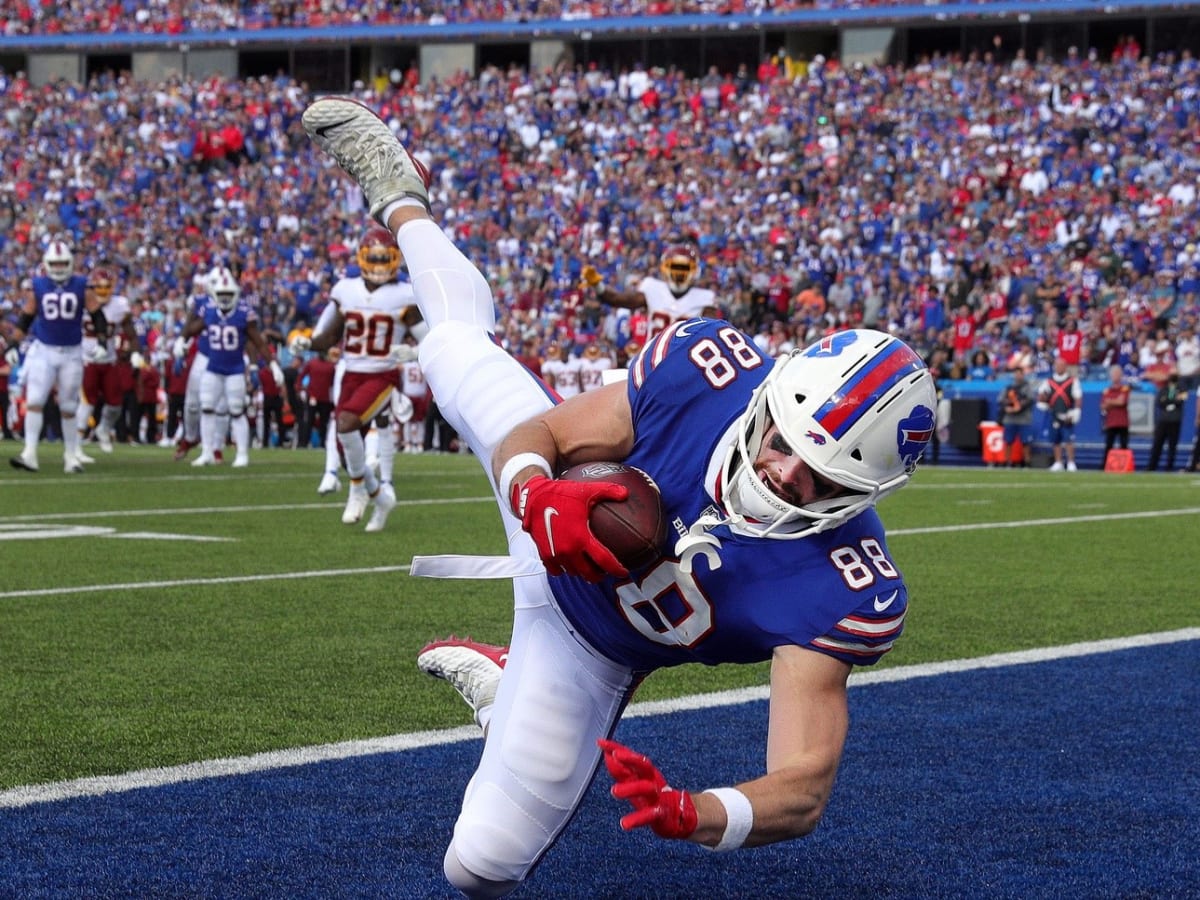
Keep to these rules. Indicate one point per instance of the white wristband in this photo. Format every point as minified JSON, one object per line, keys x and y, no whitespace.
{"x":516,"y":464}
{"x":739,"y":815}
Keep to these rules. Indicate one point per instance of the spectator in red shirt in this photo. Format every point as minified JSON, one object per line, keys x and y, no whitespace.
{"x":1070,"y":345}
{"x":146,"y":391}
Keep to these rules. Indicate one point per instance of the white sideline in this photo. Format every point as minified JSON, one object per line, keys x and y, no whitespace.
{"x":110,"y":784}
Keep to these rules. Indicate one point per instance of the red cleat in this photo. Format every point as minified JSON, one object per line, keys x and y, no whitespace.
{"x":182,"y":448}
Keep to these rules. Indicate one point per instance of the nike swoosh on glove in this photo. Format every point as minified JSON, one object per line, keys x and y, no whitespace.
{"x":555,"y":513}
{"x":668,"y":812}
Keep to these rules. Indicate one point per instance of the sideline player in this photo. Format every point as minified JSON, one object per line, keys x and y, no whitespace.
{"x":771,"y":468}
{"x":230,"y":325}
{"x":101,"y":379}
{"x":369,"y":314}
{"x":53,"y":315}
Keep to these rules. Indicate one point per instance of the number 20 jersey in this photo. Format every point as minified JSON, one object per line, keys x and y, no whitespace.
{"x":835,"y":592}
{"x":372,"y":322}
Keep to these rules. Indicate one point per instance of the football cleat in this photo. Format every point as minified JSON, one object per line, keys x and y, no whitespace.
{"x":1071,"y":467}
{"x":83,"y":459}
{"x":241,"y":461}
{"x":72,"y":466}
{"x":473,"y":669}
{"x":330,"y":484}
{"x":366,"y":149}
{"x":385,"y":502}
{"x":356,"y":504}
{"x":203,"y":459}
{"x":182,"y":448}
{"x":104,"y":439}
{"x":26,"y":460}
{"x":218,"y":457}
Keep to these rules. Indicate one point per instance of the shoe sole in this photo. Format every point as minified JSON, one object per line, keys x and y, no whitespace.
{"x":369,"y":152}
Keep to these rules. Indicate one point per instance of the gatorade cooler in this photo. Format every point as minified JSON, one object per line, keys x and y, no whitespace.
{"x":994,"y":450}
{"x":1119,"y":460}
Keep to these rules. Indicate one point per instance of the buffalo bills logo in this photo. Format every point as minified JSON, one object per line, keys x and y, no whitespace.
{"x":818,"y":439}
{"x":832,"y":345}
{"x":913,"y":435}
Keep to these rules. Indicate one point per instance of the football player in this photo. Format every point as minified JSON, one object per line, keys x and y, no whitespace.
{"x":562,"y":370}
{"x":196,"y":355}
{"x":53,"y":314}
{"x":101,"y":380}
{"x":369,"y":315}
{"x":595,"y":361}
{"x":672,"y":298}
{"x":230,"y":325}
{"x":771,"y":469}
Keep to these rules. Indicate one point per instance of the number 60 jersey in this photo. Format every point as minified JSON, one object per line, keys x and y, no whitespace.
{"x":835,"y":592}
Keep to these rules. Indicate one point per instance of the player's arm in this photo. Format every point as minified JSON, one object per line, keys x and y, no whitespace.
{"x":622,"y":299}
{"x":808,"y":725}
{"x":329,"y":330}
{"x":28,"y":313}
{"x":254,"y":337}
{"x":193,"y":326}
{"x":593,"y":426}
{"x":588,"y":427}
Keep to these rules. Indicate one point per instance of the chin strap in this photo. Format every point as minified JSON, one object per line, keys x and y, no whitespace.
{"x":698,"y":540}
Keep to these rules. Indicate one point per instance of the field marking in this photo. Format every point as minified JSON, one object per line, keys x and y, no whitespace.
{"x":335,"y":573}
{"x":100,"y":785}
{"x":210,"y":510}
{"x":1058,"y":520}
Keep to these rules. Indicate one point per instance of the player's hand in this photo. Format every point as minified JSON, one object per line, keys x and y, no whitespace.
{"x":555,"y":513}
{"x":668,"y":812}
{"x":179,"y":348}
{"x":590,"y":278}
{"x":98,"y":354}
{"x":300,"y":344}
{"x":402,"y":353}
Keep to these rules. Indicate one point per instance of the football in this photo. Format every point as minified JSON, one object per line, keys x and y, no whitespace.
{"x":635,"y":528}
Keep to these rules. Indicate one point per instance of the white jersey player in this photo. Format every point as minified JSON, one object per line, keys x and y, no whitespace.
{"x":667,"y":301}
{"x":101,"y":380}
{"x":369,"y":315}
{"x":594,"y":362}
{"x":562,"y":371}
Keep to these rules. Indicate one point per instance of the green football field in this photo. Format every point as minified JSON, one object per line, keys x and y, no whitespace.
{"x":152,"y":614}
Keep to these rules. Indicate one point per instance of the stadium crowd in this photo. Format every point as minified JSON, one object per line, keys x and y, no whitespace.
{"x":174,"y":17}
{"x":980,"y":209}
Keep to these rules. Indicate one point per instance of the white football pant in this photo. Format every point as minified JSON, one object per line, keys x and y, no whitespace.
{"x":556,"y":696}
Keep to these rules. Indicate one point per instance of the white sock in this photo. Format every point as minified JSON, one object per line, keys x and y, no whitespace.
{"x":447,"y":285}
{"x":333,"y":462}
{"x":33,"y":430}
{"x":83,"y":417}
{"x":241,"y":435}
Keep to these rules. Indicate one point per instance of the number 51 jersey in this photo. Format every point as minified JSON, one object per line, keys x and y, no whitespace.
{"x":835,"y":592}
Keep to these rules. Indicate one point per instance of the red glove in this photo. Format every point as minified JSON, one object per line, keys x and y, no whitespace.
{"x":668,"y":812}
{"x":555,"y":513}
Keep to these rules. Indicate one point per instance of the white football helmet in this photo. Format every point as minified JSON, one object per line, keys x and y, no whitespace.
{"x":223,"y":288}
{"x":857,"y":407}
{"x":59,"y":260}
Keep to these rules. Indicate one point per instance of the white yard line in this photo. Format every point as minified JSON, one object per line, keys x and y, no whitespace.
{"x":260,"y":762}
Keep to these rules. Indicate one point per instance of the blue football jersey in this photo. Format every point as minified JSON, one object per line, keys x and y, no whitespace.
{"x":227,"y":337}
{"x":200,"y":304}
{"x":836,"y":592}
{"x":60,"y":310}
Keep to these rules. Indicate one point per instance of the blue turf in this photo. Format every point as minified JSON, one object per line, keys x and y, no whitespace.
{"x":1075,"y":778}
